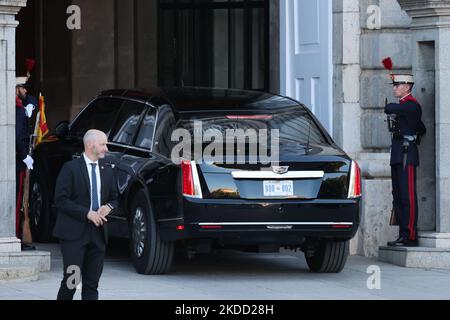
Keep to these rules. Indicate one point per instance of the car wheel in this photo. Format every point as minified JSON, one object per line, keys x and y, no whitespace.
{"x":150,"y":254}
{"x":39,"y":208}
{"x":328,"y":256}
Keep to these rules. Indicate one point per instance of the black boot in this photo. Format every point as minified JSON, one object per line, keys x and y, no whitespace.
{"x":393,"y":243}
{"x":28,"y":247}
{"x":403,"y":242}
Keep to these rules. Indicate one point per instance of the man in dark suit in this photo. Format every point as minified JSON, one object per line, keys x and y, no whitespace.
{"x":85,"y":194}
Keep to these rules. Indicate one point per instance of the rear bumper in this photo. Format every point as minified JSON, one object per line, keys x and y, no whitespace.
{"x":243,"y":222}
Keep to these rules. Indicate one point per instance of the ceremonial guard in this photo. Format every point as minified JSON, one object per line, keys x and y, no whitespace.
{"x":407,"y":128}
{"x":23,"y":160}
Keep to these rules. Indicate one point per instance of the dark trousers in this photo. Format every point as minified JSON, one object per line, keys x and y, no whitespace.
{"x":20,"y":177}
{"x":83,"y":261}
{"x":405,"y":199}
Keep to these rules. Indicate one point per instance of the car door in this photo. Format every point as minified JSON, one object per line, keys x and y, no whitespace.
{"x":121,"y":145}
{"x":99,"y":114}
{"x":166,"y":174}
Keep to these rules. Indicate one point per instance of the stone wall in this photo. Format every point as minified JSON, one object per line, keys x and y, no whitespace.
{"x":359,"y":48}
{"x":392,"y":39}
{"x":117,"y":49}
{"x":346,"y":61}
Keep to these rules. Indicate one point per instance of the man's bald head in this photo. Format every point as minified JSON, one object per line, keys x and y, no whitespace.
{"x":95,"y":144}
{"x":93,"y":135}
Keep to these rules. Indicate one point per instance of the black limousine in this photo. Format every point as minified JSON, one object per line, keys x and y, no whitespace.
{"x":308,"y":199}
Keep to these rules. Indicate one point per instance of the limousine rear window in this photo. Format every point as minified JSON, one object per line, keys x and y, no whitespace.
{"x":294,"y":125}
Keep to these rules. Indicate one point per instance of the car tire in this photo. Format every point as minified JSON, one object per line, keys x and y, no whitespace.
{"x":328,"y":256}
{"x":39,"y":207}
{"x":150,"y":254}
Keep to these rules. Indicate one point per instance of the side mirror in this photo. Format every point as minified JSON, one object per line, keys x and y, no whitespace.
{"x":62,"y":130}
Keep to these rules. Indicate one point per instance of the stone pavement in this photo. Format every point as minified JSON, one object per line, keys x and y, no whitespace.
{"x":231,"y":275}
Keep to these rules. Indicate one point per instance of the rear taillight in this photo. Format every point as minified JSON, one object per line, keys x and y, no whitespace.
{"x":188,"y":183}
{"x":190,"y":179}
{"x":355,"y":182}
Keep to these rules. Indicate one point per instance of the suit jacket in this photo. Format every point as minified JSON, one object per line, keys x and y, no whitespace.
{"x":73,"y":198}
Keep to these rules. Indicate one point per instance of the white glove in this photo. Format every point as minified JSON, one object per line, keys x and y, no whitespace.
{"x":29,"y":162}
{"x":29,"y":110}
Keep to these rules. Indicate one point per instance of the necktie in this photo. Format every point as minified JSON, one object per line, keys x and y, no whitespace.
{"x":95,"y":205}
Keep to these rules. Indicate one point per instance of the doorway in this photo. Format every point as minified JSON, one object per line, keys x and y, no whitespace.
{"x":221,"y":43}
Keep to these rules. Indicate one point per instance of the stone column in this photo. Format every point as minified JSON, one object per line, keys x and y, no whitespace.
{"x":431,"y":43}
{"x":8,"y":24}
{"x":346,"y":93}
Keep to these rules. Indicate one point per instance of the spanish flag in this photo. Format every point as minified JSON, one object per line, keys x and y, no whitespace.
{"x":42,"y":128}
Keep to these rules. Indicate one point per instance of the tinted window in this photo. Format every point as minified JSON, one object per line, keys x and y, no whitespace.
{"x":294,"y":124}
{"x":165,"y":127}
{"x":145,"y":135}
{"x":127,"y":122}
{"x":100,"y":115}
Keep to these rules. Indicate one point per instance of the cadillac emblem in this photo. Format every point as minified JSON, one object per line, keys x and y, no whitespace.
{"x":280,"y":170}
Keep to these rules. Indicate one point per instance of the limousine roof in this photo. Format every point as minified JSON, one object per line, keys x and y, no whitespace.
{"x":189,"y":99}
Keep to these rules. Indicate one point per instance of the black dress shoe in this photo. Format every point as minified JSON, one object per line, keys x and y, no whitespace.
{"x":393,"y":243}
{"x":410,"y":243}
{"x":28,"y":247}
{"x":403,"y":242}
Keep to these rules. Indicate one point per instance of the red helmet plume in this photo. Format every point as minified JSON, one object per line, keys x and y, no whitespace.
{"x":388,"y":64}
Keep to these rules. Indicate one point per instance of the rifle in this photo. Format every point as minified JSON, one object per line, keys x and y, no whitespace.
{"x":27,"y":237}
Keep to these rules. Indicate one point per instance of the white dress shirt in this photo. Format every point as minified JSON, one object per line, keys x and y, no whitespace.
{"x":99,"y":182}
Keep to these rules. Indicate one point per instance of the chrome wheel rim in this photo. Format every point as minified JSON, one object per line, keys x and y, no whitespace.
{"x":139,"y":232}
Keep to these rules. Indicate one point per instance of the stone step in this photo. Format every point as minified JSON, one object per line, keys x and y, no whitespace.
{"x":39,"y":259}
{"x":416,"y":257}
{"x":18,"y":273}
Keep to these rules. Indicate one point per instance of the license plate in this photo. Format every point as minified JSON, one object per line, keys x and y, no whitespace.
{"x":283,"y":188}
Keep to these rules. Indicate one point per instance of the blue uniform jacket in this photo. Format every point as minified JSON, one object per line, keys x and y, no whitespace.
{"x":29,"y":99}
{"x":409,"y":118}
{"x":22,"y":138}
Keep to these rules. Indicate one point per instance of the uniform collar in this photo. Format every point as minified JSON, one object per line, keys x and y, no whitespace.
{"x":19,"y":103}
{"x":407,"y":98}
